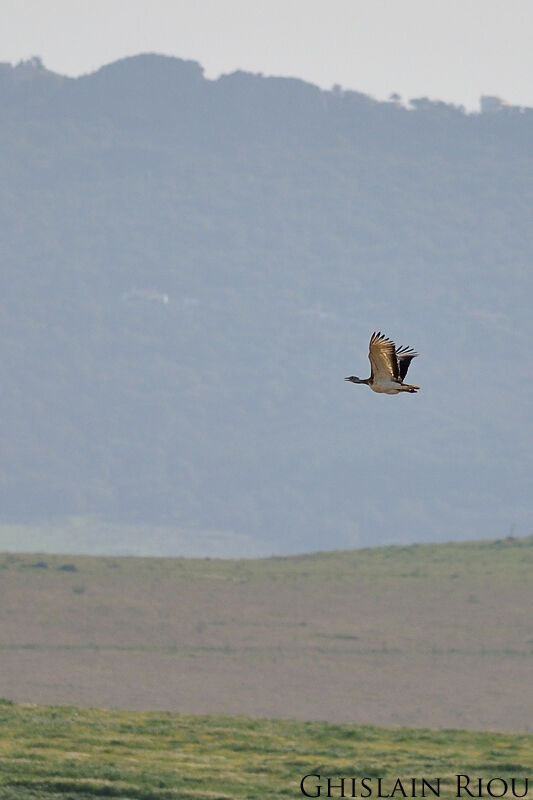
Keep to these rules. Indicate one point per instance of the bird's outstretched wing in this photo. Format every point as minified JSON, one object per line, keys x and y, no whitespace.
{"x":383,"y":359}
{"x":404,"y":355}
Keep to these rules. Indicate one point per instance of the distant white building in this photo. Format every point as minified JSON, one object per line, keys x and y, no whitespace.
{"x":146,"y":294}
{"x":490,"y":104}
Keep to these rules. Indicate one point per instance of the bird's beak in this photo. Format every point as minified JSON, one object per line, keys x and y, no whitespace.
{"x":346,"y":379}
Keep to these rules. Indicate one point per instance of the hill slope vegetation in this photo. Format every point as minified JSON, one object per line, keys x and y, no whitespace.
{"x":191,"y":267}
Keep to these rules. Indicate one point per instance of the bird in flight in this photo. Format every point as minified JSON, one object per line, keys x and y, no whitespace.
{"x":389,"y":366}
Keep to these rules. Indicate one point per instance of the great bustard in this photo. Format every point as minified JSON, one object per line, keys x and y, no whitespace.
{"x":389,"y":366}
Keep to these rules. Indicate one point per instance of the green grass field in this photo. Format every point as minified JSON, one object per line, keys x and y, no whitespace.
{"x":53,"y":752}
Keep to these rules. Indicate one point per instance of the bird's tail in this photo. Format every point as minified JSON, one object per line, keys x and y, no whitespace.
{"x":405,"y":387}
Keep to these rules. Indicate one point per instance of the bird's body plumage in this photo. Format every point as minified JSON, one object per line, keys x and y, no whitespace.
{"x":389,"y":366}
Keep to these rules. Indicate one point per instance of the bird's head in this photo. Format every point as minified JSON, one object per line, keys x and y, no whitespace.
{"x":354,"y":379}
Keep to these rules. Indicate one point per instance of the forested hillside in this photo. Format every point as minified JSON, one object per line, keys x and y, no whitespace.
{"x":189,"y":269}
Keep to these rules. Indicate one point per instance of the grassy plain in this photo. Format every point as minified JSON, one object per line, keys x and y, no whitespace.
{"x":429,"y":635}
{"x":60,"y":753}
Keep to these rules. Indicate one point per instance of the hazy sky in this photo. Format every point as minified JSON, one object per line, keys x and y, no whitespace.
{"x":452,"y":50}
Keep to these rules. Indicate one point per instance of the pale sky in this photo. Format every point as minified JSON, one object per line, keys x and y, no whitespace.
{"x":452,"y":50}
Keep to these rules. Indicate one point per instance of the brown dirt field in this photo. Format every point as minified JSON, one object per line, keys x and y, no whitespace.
{"x":433,"y":649}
